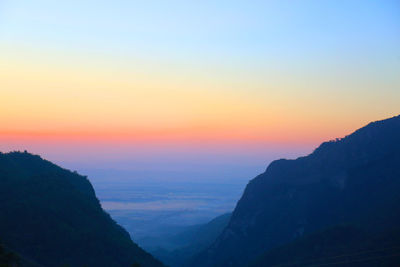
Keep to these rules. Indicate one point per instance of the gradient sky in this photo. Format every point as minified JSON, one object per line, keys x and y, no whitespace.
{"x":125,"y":84}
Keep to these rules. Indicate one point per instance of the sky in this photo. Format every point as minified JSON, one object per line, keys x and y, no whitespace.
{"x":192,"y":85}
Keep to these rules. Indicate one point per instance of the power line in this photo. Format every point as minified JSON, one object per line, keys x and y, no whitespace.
{"x":360,"y":260}
{"x":339,"y":256}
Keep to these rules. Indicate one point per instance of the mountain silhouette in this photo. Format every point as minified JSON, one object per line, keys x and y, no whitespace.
{"x":352,"y":181}
{"x":51,"y":217}
{"x":194,"y":239}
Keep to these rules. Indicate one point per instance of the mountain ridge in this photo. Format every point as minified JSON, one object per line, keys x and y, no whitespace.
{"x":341,"y":181}
{"x":52,"y":216}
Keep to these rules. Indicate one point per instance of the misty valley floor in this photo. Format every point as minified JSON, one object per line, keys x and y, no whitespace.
{"x":152,"y":210}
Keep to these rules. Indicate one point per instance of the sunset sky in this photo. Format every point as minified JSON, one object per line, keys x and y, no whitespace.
{"x":131,"y":83}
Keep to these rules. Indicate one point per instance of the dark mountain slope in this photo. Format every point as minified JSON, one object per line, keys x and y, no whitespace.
{"x":196,"y":239}
{"x":8,"y":258}
{"x":342,"y":245}
{"x":51,"y":216}
{"x":351,"y":180}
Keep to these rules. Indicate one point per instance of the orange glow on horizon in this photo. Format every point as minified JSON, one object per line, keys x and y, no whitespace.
{"x":199,"y":135}
{"x":87,"y":103}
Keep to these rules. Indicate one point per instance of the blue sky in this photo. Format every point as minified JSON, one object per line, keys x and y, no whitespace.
{"x":268,"y":30}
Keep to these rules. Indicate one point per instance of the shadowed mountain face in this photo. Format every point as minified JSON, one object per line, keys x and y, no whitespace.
{"x":341,"y":245}
{"x":8,"y":258}
{"x":193,"y":240}
{"x":354,"y":180}
{"x":51,"y":216}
